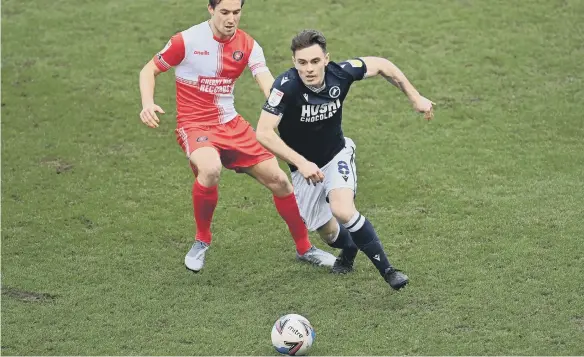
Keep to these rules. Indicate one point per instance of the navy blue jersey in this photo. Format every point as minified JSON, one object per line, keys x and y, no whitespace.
{"x":311,"y":122}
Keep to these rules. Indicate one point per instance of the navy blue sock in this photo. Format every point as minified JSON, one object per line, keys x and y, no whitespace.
{"x":345,"y":242}
{"x":366,"y":239}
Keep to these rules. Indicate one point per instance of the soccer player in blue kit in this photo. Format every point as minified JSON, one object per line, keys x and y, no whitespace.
{"x":305,"y":106}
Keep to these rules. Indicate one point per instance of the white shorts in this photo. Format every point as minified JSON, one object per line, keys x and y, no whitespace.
{"x":312,"y":200}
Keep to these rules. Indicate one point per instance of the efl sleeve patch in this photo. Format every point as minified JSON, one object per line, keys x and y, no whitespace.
{"x":275,"y":97}
{"x":355,"y":67}
{"x":355,"y":63}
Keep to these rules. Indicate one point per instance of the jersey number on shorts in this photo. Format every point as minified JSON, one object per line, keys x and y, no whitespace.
{"x":343,"y":168}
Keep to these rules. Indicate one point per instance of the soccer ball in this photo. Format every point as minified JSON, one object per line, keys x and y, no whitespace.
{"x":292,"y":335}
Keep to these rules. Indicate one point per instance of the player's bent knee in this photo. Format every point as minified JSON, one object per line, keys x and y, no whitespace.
{"x":208,"y":165}
{"x":343,"y":214}
{"x":209,"y":173}
{"x":281,"y":180}
{"x":279,"y":183}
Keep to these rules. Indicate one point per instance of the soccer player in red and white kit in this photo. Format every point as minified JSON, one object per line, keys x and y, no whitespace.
{"x":208,"y":58}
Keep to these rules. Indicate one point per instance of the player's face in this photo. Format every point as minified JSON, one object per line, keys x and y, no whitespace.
{"x":310,"y":63}
{"x":225,"y":17}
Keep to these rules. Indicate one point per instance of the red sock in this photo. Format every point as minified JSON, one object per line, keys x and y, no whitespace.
{"x":204,"y":203}
{"x":288,"y":210}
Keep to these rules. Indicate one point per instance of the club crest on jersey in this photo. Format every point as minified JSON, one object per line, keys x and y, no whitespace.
{"x":334,"y":92}
{"x":275,"y":97}
{"x":237,"y":55}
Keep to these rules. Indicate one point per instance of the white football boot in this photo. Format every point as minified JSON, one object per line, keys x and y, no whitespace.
{"x":195,"y":258}
{"x":317,"y":257}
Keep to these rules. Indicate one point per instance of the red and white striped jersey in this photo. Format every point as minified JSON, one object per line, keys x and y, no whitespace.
{"x":206,"y":69}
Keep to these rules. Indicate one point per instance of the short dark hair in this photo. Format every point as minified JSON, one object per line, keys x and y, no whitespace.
{"x":307,"y":38}
{"x":214,"y":3}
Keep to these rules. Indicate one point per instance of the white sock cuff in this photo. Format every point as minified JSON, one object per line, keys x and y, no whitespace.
{"x":355,"y":223}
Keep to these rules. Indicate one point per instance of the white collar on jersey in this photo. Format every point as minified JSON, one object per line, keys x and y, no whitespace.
{"x":317,"y":90}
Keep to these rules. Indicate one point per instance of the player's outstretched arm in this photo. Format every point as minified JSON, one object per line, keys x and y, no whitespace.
{"x":267,"y":136}
{"x":265,"y":80}
{"x":147,"y":82}
{"x":389,"y":71}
